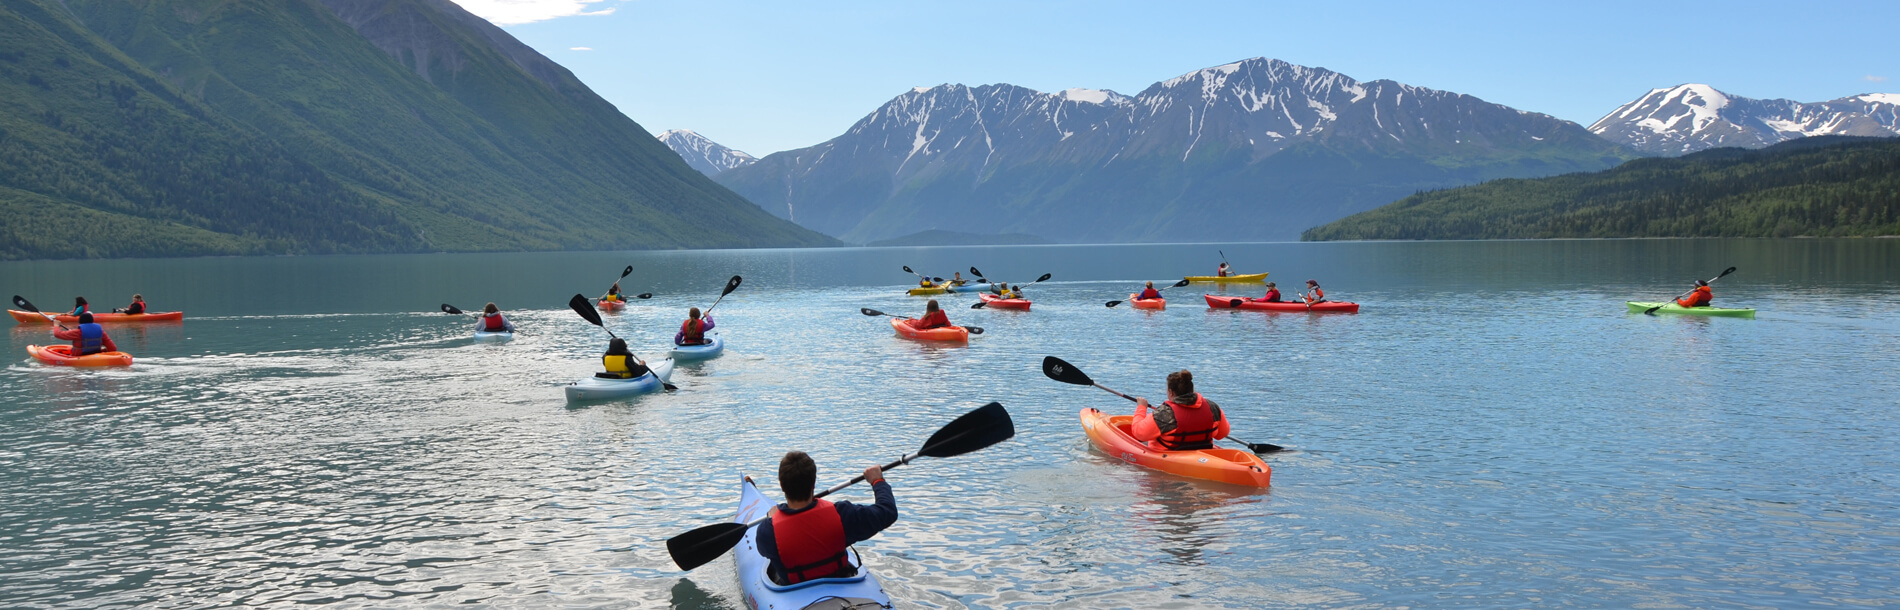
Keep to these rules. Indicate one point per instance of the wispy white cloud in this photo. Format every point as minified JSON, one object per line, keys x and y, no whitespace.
{"x":1874,"y":79}
{"x":514,"y":12}
{"x":580,"y":48}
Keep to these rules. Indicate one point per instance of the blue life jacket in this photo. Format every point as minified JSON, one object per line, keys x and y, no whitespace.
{"x":91,"y":339}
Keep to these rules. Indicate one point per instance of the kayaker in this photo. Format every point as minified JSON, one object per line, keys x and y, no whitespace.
{"x":957,"y":280}
{"x":89,"y":338}
{"x":79,"y":307}
{"x":1700,"y":297}
{"x":806,"y":538}
{"x":1222,"y":271}
{"x":492,"y":321}
{"x":613,"y":294}
{"x":620,"y":363}
{"x":1148,"y":293}
{"x":933,"y":317}
{"x":137,"y":306}
{"x":693,"y":330}
{"x":1273,"y":293}
{"x":925,"y":283}
{"x":1314,"y":294}
{"x":1187,"y":420}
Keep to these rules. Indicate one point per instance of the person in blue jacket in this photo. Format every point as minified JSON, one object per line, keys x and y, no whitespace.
{"x":806,"y":538}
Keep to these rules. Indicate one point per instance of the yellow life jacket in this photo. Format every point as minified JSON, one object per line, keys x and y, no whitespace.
{"x":617,"y":365}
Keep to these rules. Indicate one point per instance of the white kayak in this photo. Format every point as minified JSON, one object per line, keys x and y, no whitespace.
{"x":596,"y":388}
{"x":494,"y":337}
{"x":706,"y":351}
{"x":857,"y":592}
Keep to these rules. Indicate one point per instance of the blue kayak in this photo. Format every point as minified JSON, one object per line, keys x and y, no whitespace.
{"x":708,"y":351}
{"x":494,"y":337}
{"x":861,"y":591}
{"x":596,"y":388}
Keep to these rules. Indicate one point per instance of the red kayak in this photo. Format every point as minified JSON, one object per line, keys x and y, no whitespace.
{"x":606,"y":305}
{"x":1154,"y":303}
{"x":27,"y":317}
{"x":1227,"y":302}
{"x":996,"y":302}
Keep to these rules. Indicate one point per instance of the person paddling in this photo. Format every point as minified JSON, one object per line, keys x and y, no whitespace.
{"x":1187,"y":420}
{"x":806,"y":538}
{"x":492,"y":321}
{"x":958,"y":280}
{"x":693,"y":330}
{"x":89,"y":338}
{"x":137,"y":306}
{"x":1223,"y":270}
{"x":1314,"y":293}
{"x":620,"y":363}
{"x":1148,"y":293}
{"x":79,"y":307}
{"x":613,"y":294}
{"x":1273,"y":293}
{"x":934,"y":317}
{"x":1700,"y":297}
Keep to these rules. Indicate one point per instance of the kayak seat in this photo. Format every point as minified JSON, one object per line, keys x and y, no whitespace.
{"x":857,"y":575}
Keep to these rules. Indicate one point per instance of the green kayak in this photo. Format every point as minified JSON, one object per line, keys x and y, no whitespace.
{"x":1636,"y":307}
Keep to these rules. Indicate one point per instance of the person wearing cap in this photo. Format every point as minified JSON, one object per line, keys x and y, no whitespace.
{"x":1700,"y":297}
{"x":1314,"y":293}
{"x":89,"y":338}
{"x":1273,"y":293}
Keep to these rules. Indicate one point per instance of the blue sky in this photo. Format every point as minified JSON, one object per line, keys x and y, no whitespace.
{"x":769,"y":76}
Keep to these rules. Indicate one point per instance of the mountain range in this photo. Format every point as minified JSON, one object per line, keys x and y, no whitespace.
{"x":1689,"y":118}
{"x":179,"y":127}
{"x":702,"y":154}
{"x":1258,"y":149}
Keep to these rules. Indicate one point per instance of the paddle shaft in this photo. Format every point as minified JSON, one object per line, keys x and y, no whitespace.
{"x":1652,"y":310}
{"x":1256,"y":448}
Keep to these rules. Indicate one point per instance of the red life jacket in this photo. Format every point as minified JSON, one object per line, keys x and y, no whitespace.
{"x":694,"y":332}
{"x":936,"y":319}
{"x":1190,"y":426}
{"x":494,"y":323}
{"x":1273,"y":296}
{"x":1701,"y":297}
{"x":811,"y":543}
{"x":1150,"y":293}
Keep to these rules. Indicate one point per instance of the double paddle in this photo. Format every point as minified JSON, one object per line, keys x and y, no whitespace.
{"x":988,"y":425}
{"x":1179,"y":284}
{"x":979,"y":277}
{"x":22,"y":303}
{"x":581,"y":305}
{"x":623,"y":275}
{"x":874,"y":313}
{"x":936,"y":280}
{"x":1064,"y":372}
{"x":1648,"y":312}
{"x":453,"y":311}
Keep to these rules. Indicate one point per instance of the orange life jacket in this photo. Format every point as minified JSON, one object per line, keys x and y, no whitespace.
{"x":1190,"y":426}
{"x":1701,"y":297}
{"x":811,"y":543}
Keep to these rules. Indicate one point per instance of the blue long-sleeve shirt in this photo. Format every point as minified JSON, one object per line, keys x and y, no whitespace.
{"x":860,"y":522}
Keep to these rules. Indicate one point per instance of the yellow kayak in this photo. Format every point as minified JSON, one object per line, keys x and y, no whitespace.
{"x":933,"y":290}
{"x":1252,"y":278}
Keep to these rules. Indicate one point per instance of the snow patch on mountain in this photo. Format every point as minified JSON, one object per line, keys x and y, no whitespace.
{"x":703,"y":154}
{"x":1691,"y":117}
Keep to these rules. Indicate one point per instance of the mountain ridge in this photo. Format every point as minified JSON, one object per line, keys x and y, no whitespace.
{"x":703,"y":154}
{"x":1693,"y":117}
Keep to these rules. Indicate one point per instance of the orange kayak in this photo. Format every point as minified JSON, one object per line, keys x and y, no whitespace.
{"x":1110,"y":435}
{"x":27,"y":317}
{"x":62,"y":355}
{"x":996,"y":302}
{"x":943,"y":333}
{"x":611,"y":305}
{"x":1155,"y":303}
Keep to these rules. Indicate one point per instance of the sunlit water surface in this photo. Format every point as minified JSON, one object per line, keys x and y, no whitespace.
{"x":1493,"y":429}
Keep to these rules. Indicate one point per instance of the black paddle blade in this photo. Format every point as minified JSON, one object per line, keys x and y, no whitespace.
{"x":696,"y":548}
{"x":1179,"y":284}
{"x":627,"y":272}
{"x":22,"y":303}
{"x":643,"y":295}
{"x":988,"y":425}
{"x":1114,"y":303}
{"x":978,"y":274}
{"x":731,"y":285}
{"x":870,"y":312}
{"x":907,"y":270}
{"x":1264,"y":447}
{"x":978,"y":304}
{"x":1064,"y":372}
{"x":450,"y":309}
{"x":974,"y":330}
{"x":581,"y":305}
{"x":1044,"y":278}
{"x":1725,"y":273}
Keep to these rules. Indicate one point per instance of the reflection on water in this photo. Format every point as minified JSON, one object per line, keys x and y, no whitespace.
{"x":1494,"y":429}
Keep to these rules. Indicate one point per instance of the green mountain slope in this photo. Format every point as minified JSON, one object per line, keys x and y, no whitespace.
{"x":254,"y":126}
{"x":1820,"y":186}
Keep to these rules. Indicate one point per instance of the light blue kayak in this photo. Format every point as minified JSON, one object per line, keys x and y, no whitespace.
{"x":857,"y":592}
{"x":595,"y":388}
{"x":970,"y":287}
{"x":692,"y":353}
{"x":494,"y":337}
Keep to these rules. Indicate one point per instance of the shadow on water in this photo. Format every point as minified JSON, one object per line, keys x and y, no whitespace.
{"x":688,"y":596}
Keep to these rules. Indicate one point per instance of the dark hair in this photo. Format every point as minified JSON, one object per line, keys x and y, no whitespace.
{"x":692,"y":312}
{"x":618,"y":347}
{"x":491,"y":309}
{"x":138,"y":297}
{"x":1181,"y":383}
{"x":85,"y":318}
{"x":77,"y":301}
{"x":796,"y":476}
{"x":931,"y":306}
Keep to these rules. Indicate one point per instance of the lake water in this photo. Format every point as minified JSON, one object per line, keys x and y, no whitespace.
{"x":1493,"y":429}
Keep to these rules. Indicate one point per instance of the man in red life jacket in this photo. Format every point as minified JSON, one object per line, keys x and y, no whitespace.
{"x":693,"y":330}
{"x":492,"y":320}
{"x":89,"y":338}
{"x":806,"y":538}
{"x":1186,"y":421}
{"x":1273,"y":293}
{"x":933,"y":317}
{"x":1148,"y":293}
{"x":1700,"y":297}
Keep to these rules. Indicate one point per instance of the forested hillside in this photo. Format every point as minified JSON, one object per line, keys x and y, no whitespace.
{"x":1819,"y":186}
{"x":175,"y":127}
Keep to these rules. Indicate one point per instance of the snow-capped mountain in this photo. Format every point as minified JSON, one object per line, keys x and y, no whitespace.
{"x":703,"y":154}
{"x":1255,"y":149}
{"x":1687,"y":118}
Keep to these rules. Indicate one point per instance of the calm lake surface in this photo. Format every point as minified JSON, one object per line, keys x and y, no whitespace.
{"x":1493,"y":429}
